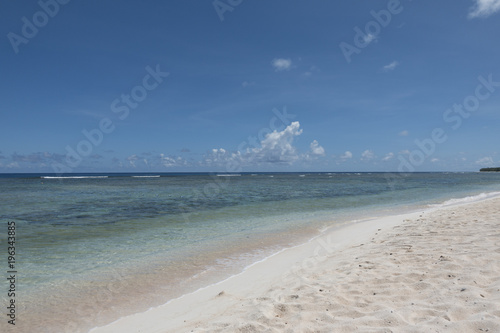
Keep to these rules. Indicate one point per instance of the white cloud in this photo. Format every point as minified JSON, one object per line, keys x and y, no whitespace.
{"x":245,"y":84}
{"x":281,"y":64}
{"x":484,"y":8}
{"x":221,"y":157}
{"x":132,"y":159}
{"x":169,"y":162}
{"x":347,"y":155}
{"x":13,"y":165}
{"x":316,"y":149}
{"x":388,"y":157}
{"x":367,"y":155}
{"x":277,"y":146}
{"x":311,"y":70}
{"x":391,"y":66}
{"x":434,"y":160}
{"x":404,"y":152}
{"x":485,"y":161}
{"x":153,"y":161}
{"x":404,"y":133}
{"x":369,"y":38}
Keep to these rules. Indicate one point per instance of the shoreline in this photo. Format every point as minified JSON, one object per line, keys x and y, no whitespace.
{"x":207,"y":303}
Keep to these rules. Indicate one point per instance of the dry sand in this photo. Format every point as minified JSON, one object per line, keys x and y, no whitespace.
{"x":432,"y":271}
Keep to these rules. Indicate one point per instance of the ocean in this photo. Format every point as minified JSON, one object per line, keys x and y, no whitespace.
{"x":93,"y":247}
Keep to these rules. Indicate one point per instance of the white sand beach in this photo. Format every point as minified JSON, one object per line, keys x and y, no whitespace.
{"x":432,"y":271}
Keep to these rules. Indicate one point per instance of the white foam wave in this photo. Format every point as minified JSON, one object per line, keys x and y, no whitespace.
{"x":72,"y":177}
{"x":228,"y":175}
{"x":153,"y":176}
{"x":472,"y":198}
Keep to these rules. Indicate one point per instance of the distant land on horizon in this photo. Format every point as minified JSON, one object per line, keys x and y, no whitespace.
{"x":490,"y":169}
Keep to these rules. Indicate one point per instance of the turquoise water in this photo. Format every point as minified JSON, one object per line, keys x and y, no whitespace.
{"x":107,"y":245}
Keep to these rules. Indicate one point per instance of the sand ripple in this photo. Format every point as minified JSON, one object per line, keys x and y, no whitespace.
{"x":439,"y":272}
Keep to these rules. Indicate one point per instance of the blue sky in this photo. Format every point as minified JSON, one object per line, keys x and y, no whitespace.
{"x":246,"y":85}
